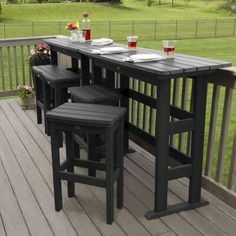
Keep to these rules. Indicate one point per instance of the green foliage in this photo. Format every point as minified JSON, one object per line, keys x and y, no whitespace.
{"x":150,"y":2}
{"x":25,"y":91}
{"x":230,"y":6}
{"x":12,"y":1}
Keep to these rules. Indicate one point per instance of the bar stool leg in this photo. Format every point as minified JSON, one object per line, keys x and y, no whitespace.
{"x":57,"y":96}
{"x":120,"y":164}
{"x":70,"y":157}
{"x":91,"y":153}
{"x":46,"y":103}
{"x":109,"y":176}
{"x":56,"y":167}
{"x":38,"y":90}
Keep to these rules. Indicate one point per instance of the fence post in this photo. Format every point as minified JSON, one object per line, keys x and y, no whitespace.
{"x":176,"y":29}
{"x":196,"y":29}
{"x":33,"y":28}
{"x":133,"y":27}
{"x":234,"y":26}
{"x":216,"y":27}
{"x":155,"y":30}
{"x":59,"y":25}
{"x":109,"y":29}
{"x":4,"y":29}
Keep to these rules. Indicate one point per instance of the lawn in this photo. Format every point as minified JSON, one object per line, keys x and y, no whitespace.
{"x":129,"y":10}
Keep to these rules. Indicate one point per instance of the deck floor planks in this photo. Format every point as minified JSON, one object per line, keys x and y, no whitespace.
{"x":28,"y":204}
{"x":2,"y":231}
{"x":214,"y":225}
{"x":90,"y":204}
{"x":10,"y":211}
{"x":57,"y":220}
{"x":138,"y":192}
{"x":78,"y":217}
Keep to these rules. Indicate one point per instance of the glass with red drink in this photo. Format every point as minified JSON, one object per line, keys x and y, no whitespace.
{"x":169,"y":48}
{"x":132,"y":42}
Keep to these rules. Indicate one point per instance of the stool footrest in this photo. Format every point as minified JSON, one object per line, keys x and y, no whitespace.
{"x":89,"y":164}
{"x":64,"y":165}
{"x":90,"y":180}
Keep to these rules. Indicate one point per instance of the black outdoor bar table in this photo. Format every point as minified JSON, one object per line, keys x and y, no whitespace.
{"x":159,"y":74}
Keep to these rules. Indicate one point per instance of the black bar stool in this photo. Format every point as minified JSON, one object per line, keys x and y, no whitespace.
{"x":93,"y":94}
{"x":51,"y":84}
{"x":93,"y":119}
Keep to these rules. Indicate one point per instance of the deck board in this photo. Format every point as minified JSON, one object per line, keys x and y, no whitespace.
{"x":11,"y":214}
{"x":28,"y":209}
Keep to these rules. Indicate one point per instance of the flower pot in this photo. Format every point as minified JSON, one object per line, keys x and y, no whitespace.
{"x":28,"y":103}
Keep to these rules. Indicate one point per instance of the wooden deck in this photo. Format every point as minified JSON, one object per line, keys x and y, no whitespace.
{"x":26,"y":192}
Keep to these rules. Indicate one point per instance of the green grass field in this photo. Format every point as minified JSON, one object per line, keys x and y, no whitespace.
{"x":129,"y":10}
{"x":223,"y":48}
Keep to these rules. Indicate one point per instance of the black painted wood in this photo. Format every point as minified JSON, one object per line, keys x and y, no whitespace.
{"x":95,"y":120}
{"x":94,"y":94}
{"x":158,"y":73}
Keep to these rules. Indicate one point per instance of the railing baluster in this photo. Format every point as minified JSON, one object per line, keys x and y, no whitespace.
{"x":232,"y":170}
{"x":145,"y":108}
{"x":16,"y":65}
{"x":212,"y":129}
{"x":9,"y":67}
{"x":138,"y":103}
{"x":184,"y":101}
{"x":189,"y":136}
{"x":223,"y":136}
{"x":2,"y":70}
{"x":22,"y":63}
{"x":28,"y":55}
{"x":175,"y":98}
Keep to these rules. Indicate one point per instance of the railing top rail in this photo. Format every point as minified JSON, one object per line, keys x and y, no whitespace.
{"x":24,"y":41}
{"x":225,"y":77}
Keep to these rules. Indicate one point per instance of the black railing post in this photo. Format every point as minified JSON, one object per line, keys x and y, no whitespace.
{"x":155,"y":30}
{"x":109,"y":29}
{"x":176,"y":29}
{"x":32,"y":28}
{"x":196,"y":29}
{"x":133,"y":27}
{"x":234,"y":26}
{"x":4,"y":28}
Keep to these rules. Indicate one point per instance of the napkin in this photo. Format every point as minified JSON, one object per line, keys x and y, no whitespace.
{"x":101,"y":42}
{"x":109,"y":50}
{"x":145,"y":57}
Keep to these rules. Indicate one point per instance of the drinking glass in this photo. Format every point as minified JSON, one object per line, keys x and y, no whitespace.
{"x":169,"y":48}
{"x":132,"y":42}
{"x":81,"y":36}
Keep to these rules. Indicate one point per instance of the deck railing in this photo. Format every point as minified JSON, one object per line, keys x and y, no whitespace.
{"x":219,"y":174}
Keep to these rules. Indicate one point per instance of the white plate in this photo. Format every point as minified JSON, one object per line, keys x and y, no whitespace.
{"x":102,"y":41}
{"x":146,"y":56}
{"x":113,"y":49}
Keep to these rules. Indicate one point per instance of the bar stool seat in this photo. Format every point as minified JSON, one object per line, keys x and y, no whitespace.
{"x":95,"y":94}
{"x":52,"y":82}
{"x":96,"y":120}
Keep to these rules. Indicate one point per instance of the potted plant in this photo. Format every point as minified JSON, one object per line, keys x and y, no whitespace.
{"x":39,"y":56}
{"x":27,"y":96}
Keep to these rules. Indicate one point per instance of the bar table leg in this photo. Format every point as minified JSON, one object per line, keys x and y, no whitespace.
{"x":199,"y":110}
{"x":162,"y":150}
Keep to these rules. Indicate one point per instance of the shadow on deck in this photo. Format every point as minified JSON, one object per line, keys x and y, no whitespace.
{"x":26,"y":192}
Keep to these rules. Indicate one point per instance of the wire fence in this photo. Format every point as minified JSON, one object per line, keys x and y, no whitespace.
{"x":118,"y":30}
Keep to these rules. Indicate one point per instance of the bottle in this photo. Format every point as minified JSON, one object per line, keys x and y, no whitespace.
{"x":86,"y":26}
